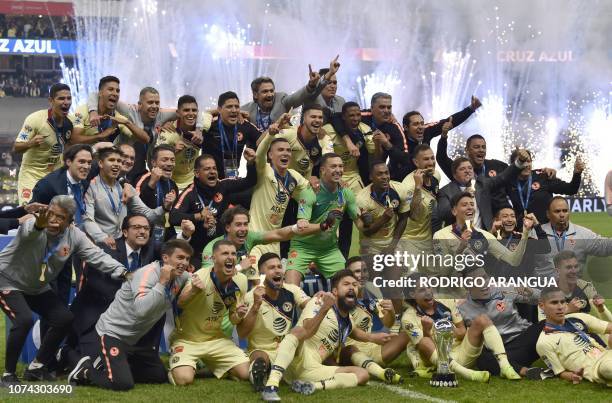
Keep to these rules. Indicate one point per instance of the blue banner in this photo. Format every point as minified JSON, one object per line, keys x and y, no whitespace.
{"x":52,"y":47}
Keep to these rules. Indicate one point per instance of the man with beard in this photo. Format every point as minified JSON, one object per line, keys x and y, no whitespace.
{"x":323,"y":327}
{"x":33,"y":259}
{"x":565,"y":235}
{"x":371,"y":356}
{"x":533,"y":190}
{"x":147,"y":115}
{"x":268,"y":106}
{"x":481,"y":187}
{"x":331,"y":202}
{"x":424,"y":310}
{"x":463,"y":238}
{"x":138,"y":306}
{"x":207,"y":199}
{"x":181,"y":136}
{"x":42,"y":139}
{"x":356,"y":164}
{"x":569,"y":347}
{"x":105,"y":199}
{"x":153,"y":186}
{"x":422,"y":185}
{"x":276,"y":184}
{"x":272,"y":307}
{"x":112,"y":126}
{"x":580,"y":295}
{"x":207,"y":297}
{"x":328,"y":99}
{"x":227,"y":137}
{"x":235,"y":222}
{"x":97,"y":290}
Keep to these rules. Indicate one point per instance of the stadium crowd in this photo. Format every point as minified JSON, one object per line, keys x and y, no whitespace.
{"x":37,"y":27}
{"x":149,"y":209}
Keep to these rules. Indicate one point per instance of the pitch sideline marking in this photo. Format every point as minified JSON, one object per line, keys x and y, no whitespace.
{"x":411,"y":394}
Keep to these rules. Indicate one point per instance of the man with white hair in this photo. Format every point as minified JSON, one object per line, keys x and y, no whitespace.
{"x":28,"y":264}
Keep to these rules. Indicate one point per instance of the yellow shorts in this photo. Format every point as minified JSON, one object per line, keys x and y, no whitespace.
{"x":219,"y":355}
{"x":466,"y":354}
{"x":592,"y":373}
{"x":307,"y":366}
{"x":372,"y":350}
{"x":25,"y":185}
{"x":255,"y":253}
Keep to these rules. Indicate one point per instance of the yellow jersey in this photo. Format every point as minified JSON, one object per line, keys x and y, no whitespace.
{"x":443,"y":309}
{"x":201,"y":317}
{"x":304,"y":157}
{"x":274,"y":318}
{"x":271,"y":193}
{"x":183,"y":170}
{"x":419,"y":227}
{"x":570,"y":347}
{"x":81,"y":121}
{"x":351,"y":170}
{"x":375,"y":204}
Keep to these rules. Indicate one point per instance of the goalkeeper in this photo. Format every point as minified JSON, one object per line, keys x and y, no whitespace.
{"x":331,"y":202}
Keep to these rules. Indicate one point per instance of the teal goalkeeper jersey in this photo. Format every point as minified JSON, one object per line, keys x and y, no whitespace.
{"x":342,"y":200}
{"x":253,"y":238}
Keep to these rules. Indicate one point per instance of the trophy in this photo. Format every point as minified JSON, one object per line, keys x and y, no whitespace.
{"x":443,"y":338}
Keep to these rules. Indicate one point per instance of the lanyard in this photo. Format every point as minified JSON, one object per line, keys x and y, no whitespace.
{"x":77,"y":193}
{"x":59,"y":131}
{"x":340,"y":193}
{"x":50,"y":251}
{"x":285,"y":180}
{"x":524,"y":198}
{"x":344,"y":326}
{"x":225,"y":141}
{"x":568,"y":326}
{"x":560,"y":239}
{"x":263,"y":121}
{"x":116,"y":208}
{"x":231,"y":289}
{"x":483,"y":170}
{"x":160,"y":193}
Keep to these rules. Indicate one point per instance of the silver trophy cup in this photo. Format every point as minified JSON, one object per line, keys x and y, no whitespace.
{"x":443,"y":338}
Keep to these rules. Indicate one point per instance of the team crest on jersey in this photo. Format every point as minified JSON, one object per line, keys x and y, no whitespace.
{"x":478,"y":245}
{"x":114,"y":351}
{"x":240,"y":136}
{"x":175,"y":359}
{"x":279,"y":325}
{"x":68,"y":134}
{"x":535,"y":185}
{"x":500,"y":306}
{"x":64,"y":251}
{"x":314,"y":151}
{"x":492,"y":173}
{"x":287,"y":307}
{"x":578,"y":325}
{"x":26,"y":193}
{"x":571,"y":241}
{"x":290,"y":187}
{"x":28,"y":128}
{"x":395,"y":203}
{"x":293,"y":254}
{"x":218,"y":198}
{"x":512,"y":246}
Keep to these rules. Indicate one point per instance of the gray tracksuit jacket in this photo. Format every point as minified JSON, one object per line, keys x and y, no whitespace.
{"x":101,"y":221}
{"x":582,"y":241}
{"x":22,"y":260}
{"x":139,"y":304}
